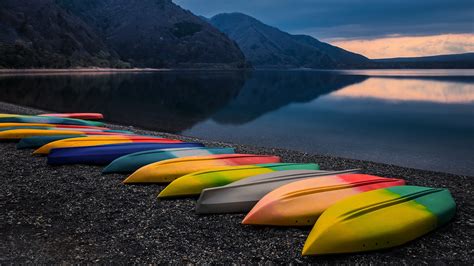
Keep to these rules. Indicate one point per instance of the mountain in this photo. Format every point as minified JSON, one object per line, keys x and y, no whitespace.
{"x":157,"y":33}
{"x":38,"y":33}
{"x":115,"y":33}
{"x":266,"y":46}
{"x":465,"y":60}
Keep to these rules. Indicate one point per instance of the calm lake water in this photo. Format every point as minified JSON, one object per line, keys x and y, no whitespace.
{"x":416,"y":118}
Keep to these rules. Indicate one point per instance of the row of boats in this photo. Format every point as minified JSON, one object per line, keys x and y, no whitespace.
{"x":349,"y":211}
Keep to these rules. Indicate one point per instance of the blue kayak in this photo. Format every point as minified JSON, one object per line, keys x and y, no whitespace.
{"x":105,"y":154}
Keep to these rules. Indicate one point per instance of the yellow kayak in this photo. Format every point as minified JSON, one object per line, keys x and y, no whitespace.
{"x":99,"y":140}
{"x":9,"y":115}
{"x":193,"y":184}
{"x":5,"y":125}
{"x":168,"y":170}
{"x":379,"y":219}
{"x":16,"y":134}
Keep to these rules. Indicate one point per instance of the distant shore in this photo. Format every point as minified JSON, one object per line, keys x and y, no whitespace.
{"x":51,"y":211}
{"x":78,"y":70}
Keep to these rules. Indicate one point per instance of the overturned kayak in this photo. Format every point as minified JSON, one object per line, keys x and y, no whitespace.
{"x":90,"y":116}
{"x":380,"y":219}
{"x":84,"y":130}
{"x":48,"y":120}
{"x":27,"y":125}
{"x":104,"y":154}
{"x":168,"y":170}
{"x":132,"y":162}
{"x":300,"y":203}
{"x":30,"y":127}
{"x":242,"y":195}
{"x":8,"y":115}
{"x":99,"y":140}
{"x":36,"y":142}
{"x":193,"y":184}
{"x":16,"y":134}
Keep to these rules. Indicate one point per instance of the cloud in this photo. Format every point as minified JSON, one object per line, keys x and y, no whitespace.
{"x":331,"y":19}
{"x":408,"y":46}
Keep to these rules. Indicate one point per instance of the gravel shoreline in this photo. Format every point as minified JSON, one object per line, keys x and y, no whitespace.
{"x":73,"y":214}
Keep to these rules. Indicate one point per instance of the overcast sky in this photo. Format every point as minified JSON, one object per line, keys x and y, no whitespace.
{"x":340,"y":21}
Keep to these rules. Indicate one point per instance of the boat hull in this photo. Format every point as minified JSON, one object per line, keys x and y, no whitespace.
{"x":87,"y":116}
{"x":301,"y":203}
{"x":168,"y":170}
{"x":241,"y":196}
{"x":38,"y":141}
{"x":17,"y":134}
{"x":26,"y":125}
{"x":380,"y":219}
{"x":48,"y":120}
{"x":194,"y":183}
{"x":100,"y":140}
{"x":132,"y":162}
{"x":104,"y":154}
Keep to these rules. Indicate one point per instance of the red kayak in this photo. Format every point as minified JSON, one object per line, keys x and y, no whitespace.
{"x":89,"y":116}
{"x":80,"y":127}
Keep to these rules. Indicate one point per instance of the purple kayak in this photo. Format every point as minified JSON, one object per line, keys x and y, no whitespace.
{"x":105,"y":154}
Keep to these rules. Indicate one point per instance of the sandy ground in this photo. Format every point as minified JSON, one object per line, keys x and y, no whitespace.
{"x":73,"y":214}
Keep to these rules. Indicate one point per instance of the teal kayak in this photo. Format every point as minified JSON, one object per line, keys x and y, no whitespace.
{"x":49,"y":120}
{"x":132,"y":162}
{"x":36,"y":142}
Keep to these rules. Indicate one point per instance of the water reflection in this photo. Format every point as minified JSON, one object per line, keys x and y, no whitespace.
{"x":420,"y":119}
{"x":166,"y":101}
{"x":172,"y":101}
{"x":410,"y":90}
{"x":267,"y":91}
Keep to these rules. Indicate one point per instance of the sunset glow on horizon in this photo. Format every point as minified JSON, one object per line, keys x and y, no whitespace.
{"x":410,"y":46}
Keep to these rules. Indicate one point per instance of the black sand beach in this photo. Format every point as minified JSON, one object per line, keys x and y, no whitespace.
{"x":73,"y":214}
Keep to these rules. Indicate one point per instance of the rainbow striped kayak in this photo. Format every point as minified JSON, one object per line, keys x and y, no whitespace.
{"x":168,"y":170}
{"x":91,"y":116}
{"x":49,"y":128}
{"x":85,"y":130}
{"x":288,"y":205}
{"x":27,"y":125}
{"x":104,"y":154}
{"x":132,"y":162}
{"x":17,"y":134}
{"x":380,"y":219}
{"x":99,"y":140}
{"x":193,"y":184}
{"x":240,"y":196}
{"x":47,"y":120}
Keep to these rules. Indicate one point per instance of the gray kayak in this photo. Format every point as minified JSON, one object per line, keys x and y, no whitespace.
{"x":242,"y":195}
